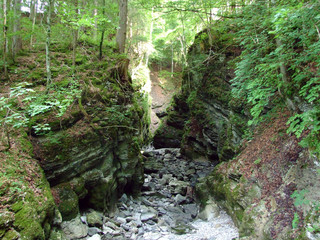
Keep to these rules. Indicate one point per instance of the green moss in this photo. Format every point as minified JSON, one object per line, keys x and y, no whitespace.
{"x":57,"y":234}
{"x":68,"y":202}
{"x":6,"y":220}
{"x":78,"y":186}
{"x":12,"y":235}
{"x":202,"y":192}
{"x":27,"y":222}
{"x":17,"y":206}
{"x":2,"y":232}
{"x":25,"y":143}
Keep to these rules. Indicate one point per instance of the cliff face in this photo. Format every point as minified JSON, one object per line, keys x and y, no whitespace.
{"x":93,"y":153}
{"x":88,"y":158}
{"x":204,"y":118}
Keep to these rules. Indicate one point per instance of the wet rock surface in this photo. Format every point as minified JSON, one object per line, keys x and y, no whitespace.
{"x":166,"y":208}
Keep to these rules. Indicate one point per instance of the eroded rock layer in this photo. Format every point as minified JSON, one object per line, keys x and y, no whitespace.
{"x":92,"y":155}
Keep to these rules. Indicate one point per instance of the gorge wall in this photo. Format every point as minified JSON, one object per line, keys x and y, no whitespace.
{"x":90,"y":156}
{"x":204,"y":119}
{"x":266,"y":181}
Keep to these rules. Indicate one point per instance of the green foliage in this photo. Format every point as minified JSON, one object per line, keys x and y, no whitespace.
{"x":257,"y":161}
{"x":295,"y":221}
{"x":315,"y":226}
{"x":23,"y":103}
{"x":299,"y":197}
{"x":280,"y":60}
{"x":308,"y":120}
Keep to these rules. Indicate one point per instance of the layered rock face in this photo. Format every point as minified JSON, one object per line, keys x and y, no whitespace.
{"x":93,"y":153}
{"x":204,"y":118}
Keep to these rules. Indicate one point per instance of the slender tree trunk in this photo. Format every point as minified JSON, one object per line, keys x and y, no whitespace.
{"x":33,"y":16}
{"x":75,"y":40}
{"x":48,"y":41}
{"x":122,"y":31}
{"x":150,"y":37}
{"x":5,"y":39}
{"x":285,"y":78}
{"x":183,"y":43}
{"x":172,"y":60}
{"x":32,"y":4}
{"x":95,"y":14}
{"x":16,"y":40}
{"x":102,"y":34}
{"x":1,"y":12}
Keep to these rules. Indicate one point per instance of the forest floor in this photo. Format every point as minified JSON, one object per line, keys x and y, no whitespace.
{"x":163,"y":87}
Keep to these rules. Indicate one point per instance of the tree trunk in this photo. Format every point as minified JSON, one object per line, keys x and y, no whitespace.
{"x":95,"y":15}
{"x":150,"y":38}
{"x":75,"y":40}
{"x":48,"y":41}
{"x":122,"y":31}
{"x":32,"y":8}
{"x":33,"y":16}
{"x":172,"y":60}
{"x":5,"y":39}
{"x":102,"y":34}
{"x":16,"y":40}
{"x":285,"y":78}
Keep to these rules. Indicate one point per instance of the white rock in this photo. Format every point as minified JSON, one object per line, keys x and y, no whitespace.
{"x":121,"y":220}
{"x":94,"y":237}
{"x":147,"y":216}
{"x":210,"y":212}
{"x":75,"y":228}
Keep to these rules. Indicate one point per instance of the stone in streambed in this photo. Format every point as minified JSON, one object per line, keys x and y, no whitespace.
{"x":94,"y":219}
{"x":210,"y":211}
{"x":95,"y":237}
{"x":124,"y":198}
{"x":93,"y":230}
{"x":148,"y":216}
{"x":191,"y":209}
{"x":121,"y":220}
{"x":179,"y":186}
{"x":180,"y":199}
{"x":74,"y":229}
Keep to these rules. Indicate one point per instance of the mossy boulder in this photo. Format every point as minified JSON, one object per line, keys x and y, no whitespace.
{"x":30,"y":208}
{"x":67,"y":201}
{"x":205,"y":109}
{"x":94,"y":219}
{"x":11,"y":235}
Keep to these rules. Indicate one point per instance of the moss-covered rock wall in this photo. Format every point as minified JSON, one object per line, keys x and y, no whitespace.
{"x":92,"y":154}
{"x":204,"y":119}
{"x":27,"y":208}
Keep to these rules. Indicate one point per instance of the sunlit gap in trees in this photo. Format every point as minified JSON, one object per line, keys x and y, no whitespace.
{"x":40,"y":6}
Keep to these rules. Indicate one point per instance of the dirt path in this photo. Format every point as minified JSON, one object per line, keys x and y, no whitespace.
{"x":160,"y":98}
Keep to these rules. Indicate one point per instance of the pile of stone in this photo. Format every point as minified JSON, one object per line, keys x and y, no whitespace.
{"x":166,"y":208}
